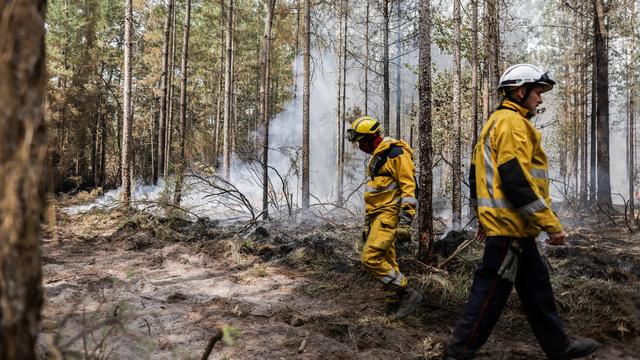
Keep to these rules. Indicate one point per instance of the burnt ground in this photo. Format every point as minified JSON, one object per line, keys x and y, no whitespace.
{"x":133,"y":286}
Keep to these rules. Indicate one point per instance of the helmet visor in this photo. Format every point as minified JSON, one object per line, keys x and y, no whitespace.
{"x":547,"y":81}
{"x":352,"y":135}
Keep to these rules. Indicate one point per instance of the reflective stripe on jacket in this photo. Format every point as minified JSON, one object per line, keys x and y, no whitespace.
{"x":393,"y":186}
{"x":509,"y":177}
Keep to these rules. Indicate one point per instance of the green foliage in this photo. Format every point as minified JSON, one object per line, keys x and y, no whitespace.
{"x":85,"y":49}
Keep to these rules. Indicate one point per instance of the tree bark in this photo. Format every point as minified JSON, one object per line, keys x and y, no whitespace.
{"x":305,"y":104}
{"x":474,"y":72}
{"x":169,"y":118}
{"x":162,"y":121}
{"x":492,"y":48}
{"x":456,"y":198}
{"x":184,"y":130}
{"x":23,"y":154}
{"x":344,"y":97}
{"x":398,"y":72}
{"x":226,"y":147}
{"x":127,"y":113}
{"x":632,"y":110}
{"x":425,"y":221}
{"x":339,"y":166}
{"x":265,"y":94}
{"x":385,"y":66}
{"x":366,"y":59}
{"x":602,"y":112}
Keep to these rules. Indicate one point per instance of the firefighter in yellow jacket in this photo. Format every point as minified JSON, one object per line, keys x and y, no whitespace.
{"x":510,"y":194}
{"x":390,"y":207}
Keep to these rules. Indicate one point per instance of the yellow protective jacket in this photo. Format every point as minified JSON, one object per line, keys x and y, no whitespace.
{"x":509,"y":177}
{"x":392,"y":185}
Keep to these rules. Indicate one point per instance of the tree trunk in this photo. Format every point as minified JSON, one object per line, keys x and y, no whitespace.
{"x":127,"y":113}
{"x":265,"y":94}
{"x":226,"y":147}
{"x":169,"y":117}
{"x":23,"y":153}
{"x":492,"y":48}
{"x":297,"y":50}
{"x":340,"y":9}
{"x":305,"y":104}
{"x":342,"y":128}
{"x":398,"y":72}
{"x":456,"y":197}
{"x":425,"y":222}
{"x":182,"y":163}
{"x":385,"y":66}
{"x":602,"y":113}
{"x":162,"y":121}
{"x":366,"y":60}
{"x":632,"y":110}
{"x":594,"y":108}
{"x":218,"y":128}
{"x":474,"y":72}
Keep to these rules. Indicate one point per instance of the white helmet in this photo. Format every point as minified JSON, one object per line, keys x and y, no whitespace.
{"x":520,"y":74}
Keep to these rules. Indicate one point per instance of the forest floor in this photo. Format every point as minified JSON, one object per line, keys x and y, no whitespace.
{"x":135,"y":286}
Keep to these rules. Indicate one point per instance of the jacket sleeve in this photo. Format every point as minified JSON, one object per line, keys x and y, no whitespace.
{"x":403,"y":170}
{"x":514,"y":152}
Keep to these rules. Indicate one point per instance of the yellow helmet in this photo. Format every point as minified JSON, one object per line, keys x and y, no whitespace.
{"x":363,"y":126}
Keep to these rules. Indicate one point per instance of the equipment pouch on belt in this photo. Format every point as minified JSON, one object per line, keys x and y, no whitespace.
{"x":509,"y":267}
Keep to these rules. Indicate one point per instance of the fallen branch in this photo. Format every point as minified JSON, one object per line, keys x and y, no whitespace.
{"x":214,"y":339}
{"x":465,"y":244}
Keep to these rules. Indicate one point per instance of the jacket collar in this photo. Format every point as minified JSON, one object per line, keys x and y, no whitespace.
{"x":515,"y":107}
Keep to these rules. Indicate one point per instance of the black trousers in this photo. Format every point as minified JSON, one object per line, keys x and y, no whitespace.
{"x":489,"y":295}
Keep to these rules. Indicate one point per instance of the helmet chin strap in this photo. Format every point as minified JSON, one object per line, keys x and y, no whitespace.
{"x":527,"y":93}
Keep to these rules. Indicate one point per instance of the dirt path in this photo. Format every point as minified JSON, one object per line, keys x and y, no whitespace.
{"x":163,"y":301}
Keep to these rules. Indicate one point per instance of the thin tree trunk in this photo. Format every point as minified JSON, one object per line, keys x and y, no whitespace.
{"x":366,"y":60}
{"x":604,"y":183}
{"x":297,"y":50}
{"x":265,"y":94}
{"x":632,"y":110}
{"x":127,"y":113}
{"x":217,"y":142}
{"x":344,"y":97}
{"x":385,"y":66}
{"x":425,"y":222}
{"x":339,"y":166}
{"x":169,"y":117}
{"x":474,"y":72}
{"x":162,"y":121}
{"x":305,"y":104}
{"x":492,"y":47}
{"x":583,"y":112}
{"x":594,"y":108}
{"x":182,"y":163}
{"x":226,"y":150}
{"x":456,"y":197}
{"x":398,"y":71}
{"x":23,"y":154}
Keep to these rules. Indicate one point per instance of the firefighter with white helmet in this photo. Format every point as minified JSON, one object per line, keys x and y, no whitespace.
{"x":510,"y":194}
{"x":390,"y":207}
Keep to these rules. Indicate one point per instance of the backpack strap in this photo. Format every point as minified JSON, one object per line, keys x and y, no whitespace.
{"x":380,"y":159}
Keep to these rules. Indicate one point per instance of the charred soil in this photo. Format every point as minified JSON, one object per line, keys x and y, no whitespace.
{"x":135,"y":286}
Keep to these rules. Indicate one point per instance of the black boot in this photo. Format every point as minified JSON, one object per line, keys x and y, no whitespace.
{"x":391,"y":303}
{"x":409,"y":300}
{"x":576,"y":349}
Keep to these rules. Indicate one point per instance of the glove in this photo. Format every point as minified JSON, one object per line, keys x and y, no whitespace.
{"x":558,"y":238}
{"x":403,"y":233}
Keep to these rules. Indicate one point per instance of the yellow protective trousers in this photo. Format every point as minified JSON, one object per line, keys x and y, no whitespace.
{"x":379,"y":252}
